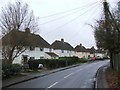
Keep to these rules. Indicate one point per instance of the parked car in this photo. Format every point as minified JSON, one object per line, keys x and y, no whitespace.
{"x":93,"y":58}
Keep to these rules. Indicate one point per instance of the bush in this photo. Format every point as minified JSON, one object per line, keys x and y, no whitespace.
{"x":10,"y":70}
{"x":68,"y":58}
{"x":53,"y":63}
{"x":83,"y":60}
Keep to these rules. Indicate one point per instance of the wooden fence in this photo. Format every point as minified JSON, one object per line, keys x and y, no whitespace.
{"x":116,"y":62}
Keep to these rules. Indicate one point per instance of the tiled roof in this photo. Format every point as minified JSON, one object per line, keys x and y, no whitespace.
{"x":24,"y":38}
{"x":61,"y":45}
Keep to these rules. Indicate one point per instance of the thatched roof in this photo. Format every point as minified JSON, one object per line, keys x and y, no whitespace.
{"x":80,"y":48}
{"x":61,"y":45}
{"x":24,"y":39}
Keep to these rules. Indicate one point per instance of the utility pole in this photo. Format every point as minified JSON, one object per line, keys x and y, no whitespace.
{"x":107,"y":27}
{"x":108,"y":14}
{"x":111,"y":23}
{"x":106,"y":7}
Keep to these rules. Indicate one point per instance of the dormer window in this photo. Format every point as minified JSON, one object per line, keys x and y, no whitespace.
{"x":50,"y":50}
{"x":32,"y":48}
{"x":62,"y":51}
{"x":41,"y":49}
{"x":68,"y":51}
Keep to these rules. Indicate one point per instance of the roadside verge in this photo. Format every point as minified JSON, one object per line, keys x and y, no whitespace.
{"x":9,"y":83}
{"x":101,"y":78}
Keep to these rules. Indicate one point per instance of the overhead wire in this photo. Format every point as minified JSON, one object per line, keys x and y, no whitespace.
{"x":69,"y":21}
{"x":77,"y":33}
{"x":64,"y":15}
{"x":64,"y":11}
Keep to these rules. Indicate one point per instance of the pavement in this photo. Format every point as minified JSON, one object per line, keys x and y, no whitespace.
{"x":101,"y":81}
{"x":29,"y":76}
{"x":100,"y":77}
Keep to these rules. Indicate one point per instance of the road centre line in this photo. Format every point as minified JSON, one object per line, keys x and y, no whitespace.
{"x":68,"y":75}
{"x":52,"y":85}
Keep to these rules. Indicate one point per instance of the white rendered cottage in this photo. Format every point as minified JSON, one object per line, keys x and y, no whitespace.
{"x":81,"y":51}
{"x":62,"y":49}
{"x":36,"y":46}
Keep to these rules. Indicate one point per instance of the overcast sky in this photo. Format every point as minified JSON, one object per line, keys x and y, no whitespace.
{"x":71,"y":21}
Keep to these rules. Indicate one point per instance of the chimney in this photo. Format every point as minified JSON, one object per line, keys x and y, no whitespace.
{"x":27,"y":30}
{"x":80,"y":44}
{"x":62,"y":40}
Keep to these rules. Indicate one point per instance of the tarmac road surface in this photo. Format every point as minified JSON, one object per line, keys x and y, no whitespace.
{"x":82,"y":76}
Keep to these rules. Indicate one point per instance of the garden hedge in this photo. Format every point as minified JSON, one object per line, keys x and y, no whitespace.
{"x":9,"y":70}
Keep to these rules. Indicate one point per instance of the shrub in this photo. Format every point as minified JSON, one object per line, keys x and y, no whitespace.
{"x":10,"y":70}
{"x":69,"y":58}
{"x":53,"y":63}
{"x":83,"y":60}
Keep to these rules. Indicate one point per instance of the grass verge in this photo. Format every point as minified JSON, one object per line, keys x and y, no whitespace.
{"x":113,"y":78}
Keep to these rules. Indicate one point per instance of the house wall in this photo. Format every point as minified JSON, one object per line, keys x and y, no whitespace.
{"x":101,"y":55}
{"x":86,"y":54}
{"x":82,"y":54}
{"x":64,"y":53}
{"x":37,"y":54}
{"x":49,"y":57}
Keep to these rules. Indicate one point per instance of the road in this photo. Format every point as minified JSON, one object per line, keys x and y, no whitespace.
{"x":82,"y":76}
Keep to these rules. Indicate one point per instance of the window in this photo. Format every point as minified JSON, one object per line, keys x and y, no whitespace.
{"x":62,"y":51}
{"x":32,"y":48}
{"x":91,"y":53}
{"x":41,"y":57}
{"x":68,"y":51}
{"x":25,"y":58}
{"x":50,"y":50}
{"x":41,"y":49}
{"x":32,"y":58}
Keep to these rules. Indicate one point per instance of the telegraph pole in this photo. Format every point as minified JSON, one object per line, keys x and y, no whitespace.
{"x":108,"y":15}
{"x":107,"y":26}
{"x":111,"y":23}
{"x":106,"y":7}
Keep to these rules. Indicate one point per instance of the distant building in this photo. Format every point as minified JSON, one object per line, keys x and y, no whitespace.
{"x":100,"y":54}
{"x":81,"y":51}
{"x":62,"y":48}
{"x":91,"y":52}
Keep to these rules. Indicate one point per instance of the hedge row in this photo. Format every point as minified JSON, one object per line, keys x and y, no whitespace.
{"x":10,"y":70}
{"x":54,"y":63}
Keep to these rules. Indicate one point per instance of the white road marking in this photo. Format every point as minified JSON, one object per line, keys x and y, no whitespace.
{"x":68,"y":75}
{"x":53,"y":85}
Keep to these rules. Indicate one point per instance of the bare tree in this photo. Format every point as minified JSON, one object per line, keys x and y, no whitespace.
{"x":14,"y":19}
{"x":17,"y":16}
